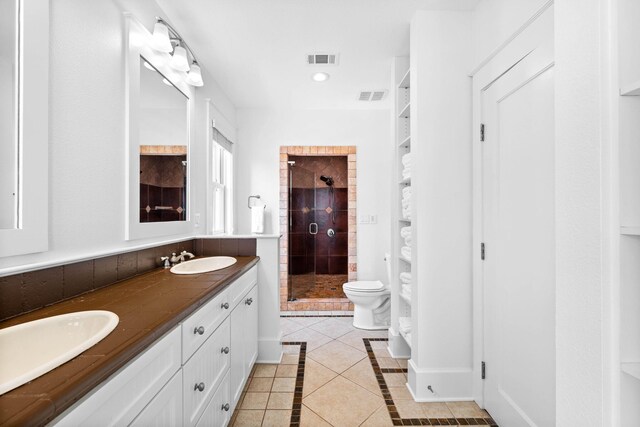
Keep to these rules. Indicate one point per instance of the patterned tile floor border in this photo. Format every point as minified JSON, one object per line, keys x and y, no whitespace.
{"x":393,"y":412}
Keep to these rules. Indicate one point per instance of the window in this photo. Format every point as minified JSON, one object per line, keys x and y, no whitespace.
{"x":221,"y":184}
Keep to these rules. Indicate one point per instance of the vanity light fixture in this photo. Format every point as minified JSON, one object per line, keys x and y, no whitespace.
{"x":166,"y":39}
{"x":161,"y":41}
{"x":179,"y":59}
{"x":320,"y":77}
{"x":194,"y":78}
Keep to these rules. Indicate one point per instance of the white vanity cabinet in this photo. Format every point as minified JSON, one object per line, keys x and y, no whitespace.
{"x":190,"y":376}
{"x":244,"y":342}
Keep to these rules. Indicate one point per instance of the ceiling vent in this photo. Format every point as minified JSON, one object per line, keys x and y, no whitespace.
{"x":372,"y":95}
{"x":322,"y":59}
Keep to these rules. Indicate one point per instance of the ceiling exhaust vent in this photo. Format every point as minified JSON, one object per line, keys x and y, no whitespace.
{"x":372,"y":95}
{"x":322,"y":59}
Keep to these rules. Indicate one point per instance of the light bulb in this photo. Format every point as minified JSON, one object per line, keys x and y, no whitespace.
{"x":320,"y":77}
{"x":194,"y":78}
{"x":160,"y":39}
{"x":179,"y":59}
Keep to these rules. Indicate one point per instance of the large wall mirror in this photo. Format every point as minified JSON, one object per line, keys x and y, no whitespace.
{"x":24,"y":130}
{"x":160,"y":107}
{"x":9,"y":72}
{"x":164,"y":137}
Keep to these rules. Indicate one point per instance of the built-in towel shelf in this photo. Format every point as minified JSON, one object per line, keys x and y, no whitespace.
{"x":406,"y":143}
{"x":406,"y":298}
{"x":406,"y":80}
{"x":406,"y":112}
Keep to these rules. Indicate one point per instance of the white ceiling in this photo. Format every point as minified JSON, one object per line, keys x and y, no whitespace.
{"x":256,"y":49}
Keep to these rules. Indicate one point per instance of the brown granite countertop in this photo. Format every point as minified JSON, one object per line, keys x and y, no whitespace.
{"x":148,"y":305}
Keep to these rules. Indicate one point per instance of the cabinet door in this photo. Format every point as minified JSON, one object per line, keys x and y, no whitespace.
{"x":251,"y":328}
{"x":204,"y":371}
{"x":218,"y":413}
{"x":238,"y":339}
{"x":124,"y":395}
{"x":166,"y":408}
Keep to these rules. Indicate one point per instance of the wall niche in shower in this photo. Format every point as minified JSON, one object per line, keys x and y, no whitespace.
{"x":314,"y":265}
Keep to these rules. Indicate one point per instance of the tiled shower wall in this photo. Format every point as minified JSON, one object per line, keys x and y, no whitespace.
{"x":162,"y":184}
{"x":309,"y":152}
{"x":329,"y":254}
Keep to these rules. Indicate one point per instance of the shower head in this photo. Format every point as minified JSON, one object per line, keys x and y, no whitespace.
{"x":327,"y":180}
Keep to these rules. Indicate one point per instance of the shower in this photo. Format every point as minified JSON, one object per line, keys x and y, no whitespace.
{"x":329,"y":181}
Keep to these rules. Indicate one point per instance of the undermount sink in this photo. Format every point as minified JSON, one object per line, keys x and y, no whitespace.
{"x":203,"y":265}
{"x":34,"y":348}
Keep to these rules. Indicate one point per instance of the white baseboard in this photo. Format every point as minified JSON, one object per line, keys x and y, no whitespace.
{"x":398,"y":347}
{"x":270,"y":350}
{"x":452,"y":384}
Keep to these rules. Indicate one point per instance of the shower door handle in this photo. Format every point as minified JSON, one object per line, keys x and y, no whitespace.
{"x":313,"y":228}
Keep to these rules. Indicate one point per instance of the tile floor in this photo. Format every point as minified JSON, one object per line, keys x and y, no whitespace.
{"x":327,"y":378}
{"x":318,"y":285}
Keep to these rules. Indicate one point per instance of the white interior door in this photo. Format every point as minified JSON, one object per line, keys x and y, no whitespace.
{"x":519,"y":236}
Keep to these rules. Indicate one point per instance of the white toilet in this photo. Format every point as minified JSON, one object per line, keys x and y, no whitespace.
{"x":371,"y":301}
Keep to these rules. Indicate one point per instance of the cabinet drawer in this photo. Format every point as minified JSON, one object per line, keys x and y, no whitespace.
{"x":204,"y":371}
{"x":218,"y":412}
{"x":166,"y":408}
{"x":201,"y":324}
{"x":241,"y":286}
{"x":126,"y":393}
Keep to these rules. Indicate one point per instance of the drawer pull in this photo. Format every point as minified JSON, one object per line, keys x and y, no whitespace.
{"x":225,"y":305}
{"x":199,"y":330}
{"x":249,"y":301}
{"x":199,"y":387}
{"x":224,"y":350}
{"x":226,"y":407}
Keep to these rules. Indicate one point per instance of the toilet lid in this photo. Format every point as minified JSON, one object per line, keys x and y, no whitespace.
{"x":364,"y":285}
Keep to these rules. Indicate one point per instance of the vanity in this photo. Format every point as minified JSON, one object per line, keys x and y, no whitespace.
{"x":180,"y":355}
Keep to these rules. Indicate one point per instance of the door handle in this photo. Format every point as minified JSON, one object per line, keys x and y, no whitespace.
{"x":313,"y":228}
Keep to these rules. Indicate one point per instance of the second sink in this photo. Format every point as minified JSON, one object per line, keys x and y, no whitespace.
{"x":203,"y":265}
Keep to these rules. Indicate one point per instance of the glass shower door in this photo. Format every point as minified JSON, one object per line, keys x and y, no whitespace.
{"x":303,"y":229}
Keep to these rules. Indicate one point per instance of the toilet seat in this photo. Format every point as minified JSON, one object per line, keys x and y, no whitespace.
{"x":364,"y":286}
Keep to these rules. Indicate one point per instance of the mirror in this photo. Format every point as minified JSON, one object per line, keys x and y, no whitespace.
{"x":9,"y":72}
{"x":160,"y":107}
{"x":163,"y":140}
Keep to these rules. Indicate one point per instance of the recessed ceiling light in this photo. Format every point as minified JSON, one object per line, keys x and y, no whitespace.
{"x":320,"y":77}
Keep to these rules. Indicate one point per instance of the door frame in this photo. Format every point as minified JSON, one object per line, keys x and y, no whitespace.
{"x":317,"y":304}
{"x":516,"y":48}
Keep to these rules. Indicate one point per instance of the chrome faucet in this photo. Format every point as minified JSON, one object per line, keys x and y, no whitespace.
{"x":184,"y":254}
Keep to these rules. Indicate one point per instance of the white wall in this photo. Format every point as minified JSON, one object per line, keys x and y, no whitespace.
{"x":583,"y":213}
{"x":262,"y":132}
{"x":87,"y":130}
{"x":495,"y":21}
{"x":441,"y":142}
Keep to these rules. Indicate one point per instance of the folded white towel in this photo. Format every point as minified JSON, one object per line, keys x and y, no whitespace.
{"x":406,"y":174}
{"x":406,"y":214}
{"x":407,"y":338}
{"x":406,"y":159}
{"x":257,"y":218}
{"x":408,"y":240}
{"x":406,"y":191}
{"x":405,"y":231}
{"x":405,"y":251}
{"x":404,"y":324}
{"x":406,"y":290}
{"x":405,"y":277}
{"x":405,"y":203}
